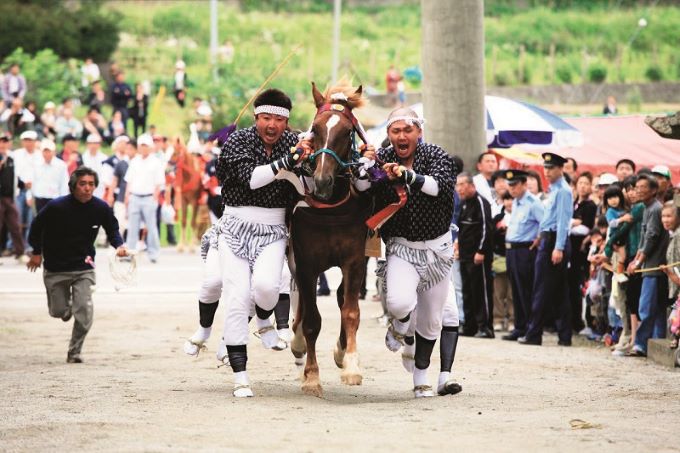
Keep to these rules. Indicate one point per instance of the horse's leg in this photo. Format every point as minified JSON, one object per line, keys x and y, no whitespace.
{"x":341,"y":345}
{"x":194,"y":224}
{"x":182,"y":223}
{"x":352,"y":273}
{"x":297,"y":344}
{"x":311,"y":326}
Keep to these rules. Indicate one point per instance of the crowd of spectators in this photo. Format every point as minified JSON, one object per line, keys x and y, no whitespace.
{"x":624,"y":261}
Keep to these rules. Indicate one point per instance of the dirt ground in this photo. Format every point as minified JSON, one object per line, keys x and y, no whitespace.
{"x":137,"y":390}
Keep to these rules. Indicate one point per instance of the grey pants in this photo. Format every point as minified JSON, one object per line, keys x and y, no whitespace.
{"x":71,"y":291}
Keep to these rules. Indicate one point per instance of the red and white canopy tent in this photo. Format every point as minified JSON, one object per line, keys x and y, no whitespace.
{"x":606,"y":140}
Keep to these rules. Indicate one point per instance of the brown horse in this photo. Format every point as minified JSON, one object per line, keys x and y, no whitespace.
{"x":188,"y":190}
{"x":330,"y":232}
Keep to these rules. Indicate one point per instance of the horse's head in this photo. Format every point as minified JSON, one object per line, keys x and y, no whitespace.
{"x":333,"y":128}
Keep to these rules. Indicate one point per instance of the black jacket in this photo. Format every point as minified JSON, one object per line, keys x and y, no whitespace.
{"x":475,"y":228}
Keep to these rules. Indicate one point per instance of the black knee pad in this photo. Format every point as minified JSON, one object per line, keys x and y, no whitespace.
{"x":282,"y":311}
{"x":238,"y":357}
{"x":423,"y":353}
{"x":206,"y":312}
{"x":262,"y":313}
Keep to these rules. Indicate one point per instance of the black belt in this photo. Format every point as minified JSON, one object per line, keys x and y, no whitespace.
{"x":548,"y":234}
{"x":518,"y":245}
{"x":142,"y":195}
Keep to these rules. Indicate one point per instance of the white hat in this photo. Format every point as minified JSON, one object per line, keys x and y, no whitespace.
{"x":145,"y":139}
{"x":607,"y":179}
{"x":46,"y":143}
{"x":29,"y":135}
{"x":94,"y":138}
{"x":662,"y":170}
{"x":204,"y":109}
{"x":49,"y":105}
{"x":120,"y":139}
{"x":180,"y":65}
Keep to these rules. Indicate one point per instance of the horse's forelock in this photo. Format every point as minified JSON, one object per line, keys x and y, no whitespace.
{"x":354,"y":100}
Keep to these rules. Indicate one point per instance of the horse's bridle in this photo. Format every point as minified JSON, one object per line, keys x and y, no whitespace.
{"x":357,"y":129}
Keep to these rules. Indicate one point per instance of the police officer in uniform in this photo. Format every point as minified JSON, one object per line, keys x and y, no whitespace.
{"x":521,"y":241}
{"x":550,"y":279}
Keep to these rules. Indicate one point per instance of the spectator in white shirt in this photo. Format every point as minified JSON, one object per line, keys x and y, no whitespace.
{"x":49,"y":120}
{"x":13,"y":85}
{"x":26,"y":159}
{"x":145,"y":178}
{"x":50,"y":179}
{"x":94,"y":159}
{"x":90,"y":72}
{"x":487,"y":165}
{"x":68,"y":125}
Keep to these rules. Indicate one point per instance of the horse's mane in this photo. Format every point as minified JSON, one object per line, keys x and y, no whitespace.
{"x":345,"y":87}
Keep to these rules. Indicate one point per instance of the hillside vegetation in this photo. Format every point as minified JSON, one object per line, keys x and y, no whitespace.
{"x":539,"y":45}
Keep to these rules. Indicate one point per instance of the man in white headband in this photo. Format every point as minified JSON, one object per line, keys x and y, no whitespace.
{"x":419,"y":249}
{"x":252,"y":233}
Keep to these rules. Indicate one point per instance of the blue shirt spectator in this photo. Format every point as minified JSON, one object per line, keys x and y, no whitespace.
{"x":527,"y":214}
{"x":558,"y":212}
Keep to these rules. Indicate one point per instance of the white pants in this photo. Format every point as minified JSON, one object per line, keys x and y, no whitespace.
{"x":402,"y":297}
{"x":238,"y":283}
{"x":143,"y":209}
{"x":211,"y":285}
{"x":457,"y":281}
{"x":450,"y":316}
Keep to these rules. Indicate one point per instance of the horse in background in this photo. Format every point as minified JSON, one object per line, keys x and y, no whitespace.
{"x":188,"y":190}
{"x":329,"y":230}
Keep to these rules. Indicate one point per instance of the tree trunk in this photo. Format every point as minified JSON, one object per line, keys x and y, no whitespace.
{"x":453,"y":76}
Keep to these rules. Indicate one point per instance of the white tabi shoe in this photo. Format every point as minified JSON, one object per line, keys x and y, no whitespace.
{"x":222,"y":355}
{"x":393,"y":339}
{"x":423,"y":391}
{"x":194,"y":345}
{"x":270,"y":339}
{"x":449,"y":388}
{"x":242,"y":391}
{"x":408,"y":358}
{"x":285,"y":334}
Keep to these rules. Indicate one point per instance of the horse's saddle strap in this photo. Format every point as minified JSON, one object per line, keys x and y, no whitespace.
{"x":379,"y":218}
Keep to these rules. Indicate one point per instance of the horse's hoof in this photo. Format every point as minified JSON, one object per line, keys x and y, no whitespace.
{"x":351,"y":378}
{"x":180,"y":248}
{"x":312,"y":389}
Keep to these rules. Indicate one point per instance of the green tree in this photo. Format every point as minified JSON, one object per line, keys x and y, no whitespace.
{"x":79,"y":32}
{"x":48,"y":77}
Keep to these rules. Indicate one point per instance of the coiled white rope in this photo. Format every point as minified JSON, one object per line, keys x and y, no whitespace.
{"x":123,"y":269}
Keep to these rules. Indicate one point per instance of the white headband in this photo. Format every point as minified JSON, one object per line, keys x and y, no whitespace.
{"x":273,"y":110}
{"x":410,"y":120}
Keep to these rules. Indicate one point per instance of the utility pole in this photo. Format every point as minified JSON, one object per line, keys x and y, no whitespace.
{"x":213,"y":39}
{"x":336,"y":40}
{"x":453,"y":76}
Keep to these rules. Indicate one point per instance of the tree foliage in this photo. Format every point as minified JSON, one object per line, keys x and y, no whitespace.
{"x":48,"y":77}
{"x":72,"y":30}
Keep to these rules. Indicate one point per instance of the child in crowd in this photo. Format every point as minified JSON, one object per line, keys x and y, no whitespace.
{"x":615,"y":205}
{"x":596,"y":306}
{"x":670,"y":219}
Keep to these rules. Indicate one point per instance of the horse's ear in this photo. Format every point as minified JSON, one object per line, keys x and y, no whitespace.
{"x":318,"y":97}
{"x":359,"y":90}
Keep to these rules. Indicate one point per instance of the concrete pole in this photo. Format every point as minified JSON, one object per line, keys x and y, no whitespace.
{"x":336,"y":40}
{"x":453,"y":76}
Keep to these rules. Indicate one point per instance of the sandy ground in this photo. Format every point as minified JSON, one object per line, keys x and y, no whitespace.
{"x":137,"y":390}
